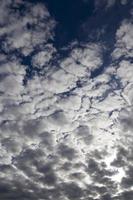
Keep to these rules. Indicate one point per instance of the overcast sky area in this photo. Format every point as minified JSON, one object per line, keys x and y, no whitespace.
{"x":66,"y":100}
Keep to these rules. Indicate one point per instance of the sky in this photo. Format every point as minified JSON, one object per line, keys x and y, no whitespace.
{"x":66,"y":100}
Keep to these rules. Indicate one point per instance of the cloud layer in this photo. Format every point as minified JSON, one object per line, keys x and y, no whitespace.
{"x":63,"y":134}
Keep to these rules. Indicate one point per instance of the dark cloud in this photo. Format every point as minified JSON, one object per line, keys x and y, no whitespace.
{"x":127,"y":195}
{"x":84,"y":134}
{"x":66,"y":152}
{"x":72,"y":191}
{"x":127,"y":181}
{"x":120,"y":160}
{"x":106,"y":197}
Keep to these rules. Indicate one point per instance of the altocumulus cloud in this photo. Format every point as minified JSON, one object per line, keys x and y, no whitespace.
{"x":63,"y":134}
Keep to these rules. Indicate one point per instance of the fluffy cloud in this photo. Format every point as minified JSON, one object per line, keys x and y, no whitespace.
{"x":43,"y":57}
{"x":124,"y":37}
{"x":25,"y":31}
{"x":62,"y":133}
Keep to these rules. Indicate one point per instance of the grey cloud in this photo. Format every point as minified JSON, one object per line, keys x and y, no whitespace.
{"x":121,"y":156}
{"x":67,"y":166}
{"x":72,"y":191}
{"x":92,"y":166}
{"x":67,"y":152}
{"x":126,"y":119}
{"x":83,"y":133}
{"x":101,"y":175}
{"x":49,"y":179}
{"x":98,"y":170}
{"x":127,"y":195}
{"x":77,"y":175}
{"x":46,"y":140}
{"x":58,"y":118}
{"x":127,"y":181}
{"x":106,"y":197}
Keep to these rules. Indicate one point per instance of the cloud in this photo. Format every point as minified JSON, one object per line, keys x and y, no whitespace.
{"x":124,"y":37}
{"x":72,"y":191}
{"x":105,"y":3}
{"x":25,"y":32}
{"x":109,"y":3}
{"x":85,"y":56}
{"x":126,"y":119}
{"x":62,"y":133}
{"x":42,"y":58}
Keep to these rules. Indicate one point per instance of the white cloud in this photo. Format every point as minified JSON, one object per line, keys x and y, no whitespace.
{"x":58,"y":131}
{"x":25,"y":32}
{"x":89,"y":56}
{"x":72,"y":102}
{"x":125,"y":71}
{"x":43,"y":57}
{"x":59,"y":81}
{"x":128,"y":93}
{"x":69,"y":66}
{"x":124,"y":38}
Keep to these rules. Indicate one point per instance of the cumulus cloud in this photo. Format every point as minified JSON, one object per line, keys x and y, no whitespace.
{"x":124,"y":36}
{"x":43,"y":57}
{"x":25,"y":32}
{"x":89,"y":56}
